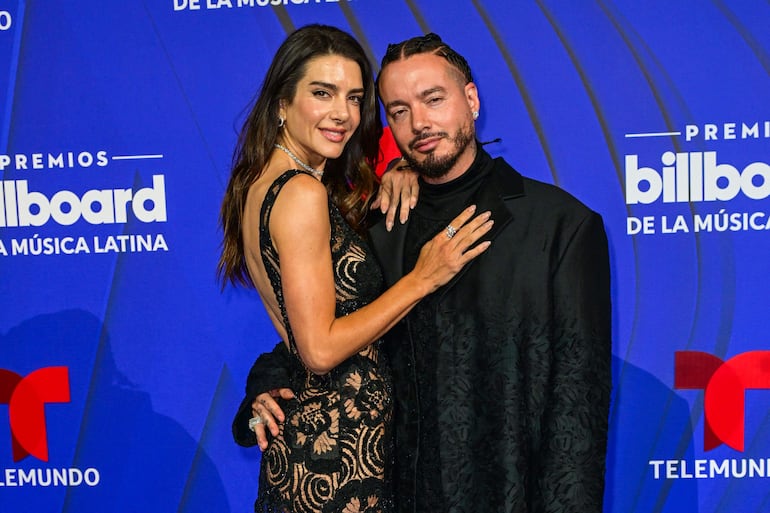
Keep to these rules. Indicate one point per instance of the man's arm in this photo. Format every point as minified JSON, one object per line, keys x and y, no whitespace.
{"x":268,"y":378}
{"x":575,"y":437}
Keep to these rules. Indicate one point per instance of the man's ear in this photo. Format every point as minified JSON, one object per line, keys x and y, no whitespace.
{"x":472,"y":96}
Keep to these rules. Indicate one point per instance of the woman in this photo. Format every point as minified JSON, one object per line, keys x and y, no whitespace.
{"x":291,"y":216}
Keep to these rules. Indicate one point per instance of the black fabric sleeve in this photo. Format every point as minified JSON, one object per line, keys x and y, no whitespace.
{"x":572,"y":460}
{"x":270,"y":371}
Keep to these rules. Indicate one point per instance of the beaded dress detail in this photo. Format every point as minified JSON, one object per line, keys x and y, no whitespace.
{"x":335,"y":447}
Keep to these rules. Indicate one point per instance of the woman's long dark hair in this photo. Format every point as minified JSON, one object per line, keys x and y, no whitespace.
{"x":350,"y":178}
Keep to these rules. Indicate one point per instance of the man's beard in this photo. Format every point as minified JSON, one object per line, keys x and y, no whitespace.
{"x":436,"y":167}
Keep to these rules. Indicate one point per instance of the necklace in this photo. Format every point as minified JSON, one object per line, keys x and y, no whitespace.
{"x":318,"y":174}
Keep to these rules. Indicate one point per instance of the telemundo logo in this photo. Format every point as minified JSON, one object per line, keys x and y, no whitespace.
{"x":26,"y":397}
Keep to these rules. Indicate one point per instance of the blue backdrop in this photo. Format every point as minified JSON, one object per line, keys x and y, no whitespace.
{"x":122,"y":362}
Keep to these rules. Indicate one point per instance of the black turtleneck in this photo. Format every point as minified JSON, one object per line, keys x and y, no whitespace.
{"x":440,"y":203}
{"x":437,"y":206}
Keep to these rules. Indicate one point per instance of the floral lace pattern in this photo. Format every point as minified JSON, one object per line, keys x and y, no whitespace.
{"x":333,"y":450}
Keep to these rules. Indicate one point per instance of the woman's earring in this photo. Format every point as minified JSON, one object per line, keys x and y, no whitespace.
{"x":281,"y":122}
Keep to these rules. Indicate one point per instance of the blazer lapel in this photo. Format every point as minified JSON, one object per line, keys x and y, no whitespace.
{"x":389,"y":249}
{"x":503,"y":183}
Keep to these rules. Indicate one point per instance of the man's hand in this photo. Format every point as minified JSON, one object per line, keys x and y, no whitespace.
{"x":266,"y":408}
{"x":398,"y":187}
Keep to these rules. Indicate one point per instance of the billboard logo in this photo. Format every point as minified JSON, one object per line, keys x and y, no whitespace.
{"x":5,"y":20}
{"x":26,"y":398}
{"x":695,"y":176}
{"x":724,"y":384}
{"x":21,"y":207}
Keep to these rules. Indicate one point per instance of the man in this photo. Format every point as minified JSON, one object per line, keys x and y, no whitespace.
{"x":502,"y":377}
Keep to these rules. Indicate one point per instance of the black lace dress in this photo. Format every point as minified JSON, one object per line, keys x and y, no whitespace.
{"x":334,"y":448}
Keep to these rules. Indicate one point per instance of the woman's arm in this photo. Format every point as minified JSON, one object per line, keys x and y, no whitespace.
{"x":399,"y":190}
{"x":301,"y":231}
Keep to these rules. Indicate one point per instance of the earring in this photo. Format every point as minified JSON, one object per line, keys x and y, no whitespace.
{"x":281,"y":122}
{"x":475,"y":115}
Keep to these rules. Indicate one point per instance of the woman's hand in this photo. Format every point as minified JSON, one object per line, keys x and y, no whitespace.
{"x":270,"y":414}
{"x":445,"y":255}
{"x":398,"y":187}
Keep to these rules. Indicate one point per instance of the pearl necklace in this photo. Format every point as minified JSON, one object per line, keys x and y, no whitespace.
{"x":318,"y":174}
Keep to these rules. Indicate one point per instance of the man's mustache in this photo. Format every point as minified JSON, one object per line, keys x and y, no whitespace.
{"x":426,"y":135}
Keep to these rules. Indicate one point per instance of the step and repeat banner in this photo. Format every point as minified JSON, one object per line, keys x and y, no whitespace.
{"x":122,"y":361}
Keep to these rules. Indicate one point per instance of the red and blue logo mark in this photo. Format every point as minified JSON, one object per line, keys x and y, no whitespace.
{"x":724,"y":384}
{"x":26,"y":398}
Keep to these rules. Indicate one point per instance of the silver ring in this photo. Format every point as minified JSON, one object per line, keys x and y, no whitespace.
{"x":450,"y":231}
{"x":253,"y":421}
